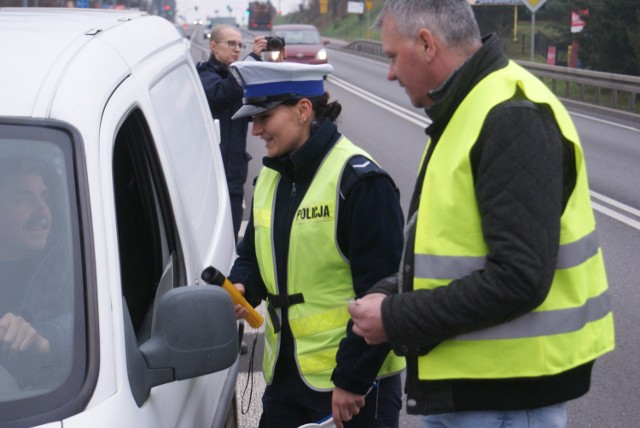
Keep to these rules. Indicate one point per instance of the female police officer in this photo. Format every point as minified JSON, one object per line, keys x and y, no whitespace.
{"x":325,"y":224}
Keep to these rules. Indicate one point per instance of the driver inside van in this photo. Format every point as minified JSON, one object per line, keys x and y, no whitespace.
{"x":35,"y":310}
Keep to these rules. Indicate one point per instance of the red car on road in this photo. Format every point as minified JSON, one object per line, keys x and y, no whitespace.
{"x":303,"y":43}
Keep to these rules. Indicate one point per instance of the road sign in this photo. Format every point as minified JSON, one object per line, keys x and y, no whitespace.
{"x":324,"y":6}
{"x":495,"y":2}
{"x":368,"y":4}
{"x":355,"y":7}
{"x":534,"y":5}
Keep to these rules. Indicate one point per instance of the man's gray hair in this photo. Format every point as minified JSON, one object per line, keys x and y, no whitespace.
{"x":452,"y":21}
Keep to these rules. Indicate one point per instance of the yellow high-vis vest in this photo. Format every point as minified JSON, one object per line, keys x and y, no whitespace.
{"x":316,"y":268}
{"x":574,"y":324}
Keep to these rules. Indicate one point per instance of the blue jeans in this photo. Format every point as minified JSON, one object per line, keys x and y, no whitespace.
{"x":544,"y":417}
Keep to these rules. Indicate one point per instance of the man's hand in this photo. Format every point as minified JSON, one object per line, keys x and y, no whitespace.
{"x":18,"y":334}
{"x":345,"y":405}
{"x":367,"y":318}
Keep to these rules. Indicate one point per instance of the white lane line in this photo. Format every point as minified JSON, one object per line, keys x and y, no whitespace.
{"x":606,"y":122}
{"x":424,"y":122}
{"x":402,"y":112}
{"x":615,"y":203}
{"x":616,"y":215}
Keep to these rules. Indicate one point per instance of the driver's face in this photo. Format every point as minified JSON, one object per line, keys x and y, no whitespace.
{"x":25,"y":217}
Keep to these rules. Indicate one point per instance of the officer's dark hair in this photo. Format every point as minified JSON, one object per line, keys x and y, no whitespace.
{"x":321,"y":107}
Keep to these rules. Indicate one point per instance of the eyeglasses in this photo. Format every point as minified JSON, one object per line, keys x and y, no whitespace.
{"x":234,"y":44}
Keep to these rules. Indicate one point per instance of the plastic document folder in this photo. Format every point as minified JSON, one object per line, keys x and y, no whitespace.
{"x":324,"y":423}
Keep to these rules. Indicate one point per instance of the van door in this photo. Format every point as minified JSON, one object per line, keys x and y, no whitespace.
{"x":153,"y":254}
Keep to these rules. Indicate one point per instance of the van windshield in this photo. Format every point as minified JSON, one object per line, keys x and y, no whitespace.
{"x":42,"y":329}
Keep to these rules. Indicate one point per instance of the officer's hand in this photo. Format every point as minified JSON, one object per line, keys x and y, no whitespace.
{"x":367,"y":318}
{"x":345,"y":405}
{"x":18,"y":335}
{"x":240,"y":310}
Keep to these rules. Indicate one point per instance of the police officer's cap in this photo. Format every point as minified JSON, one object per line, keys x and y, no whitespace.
{"x":268,"y":84}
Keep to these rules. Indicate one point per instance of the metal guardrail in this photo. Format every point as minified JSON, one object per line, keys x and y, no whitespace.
{"x":617,"y":93}
{"x":616,"y":85}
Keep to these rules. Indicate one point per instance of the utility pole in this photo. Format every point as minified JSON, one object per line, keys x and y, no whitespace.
{"x":515,"y":23}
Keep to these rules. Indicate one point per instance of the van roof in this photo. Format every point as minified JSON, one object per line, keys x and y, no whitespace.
{"x":47,"y":44}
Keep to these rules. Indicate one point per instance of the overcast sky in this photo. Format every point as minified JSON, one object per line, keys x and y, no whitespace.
{"x":206,"y":8}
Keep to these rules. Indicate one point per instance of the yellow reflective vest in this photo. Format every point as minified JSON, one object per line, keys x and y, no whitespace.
{"x":574,"y":324}
{"x":316,"y":268}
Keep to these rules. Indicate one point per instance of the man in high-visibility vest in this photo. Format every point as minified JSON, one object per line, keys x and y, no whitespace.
{"x":503,"y":305}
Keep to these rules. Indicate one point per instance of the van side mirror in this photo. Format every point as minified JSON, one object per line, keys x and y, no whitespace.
{"x":196,"y":333}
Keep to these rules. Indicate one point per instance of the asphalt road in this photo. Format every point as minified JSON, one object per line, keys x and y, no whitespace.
{"x":377,"y":116}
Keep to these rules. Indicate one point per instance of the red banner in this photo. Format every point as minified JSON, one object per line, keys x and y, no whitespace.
{"x":577,"y":24}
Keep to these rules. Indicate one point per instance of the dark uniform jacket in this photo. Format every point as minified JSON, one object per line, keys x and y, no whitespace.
{"x":370,"y":237}
{"x":224,"y":96}
{"x":524,"y":173}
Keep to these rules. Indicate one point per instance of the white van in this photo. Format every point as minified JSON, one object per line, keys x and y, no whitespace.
{"x":112,"y":200}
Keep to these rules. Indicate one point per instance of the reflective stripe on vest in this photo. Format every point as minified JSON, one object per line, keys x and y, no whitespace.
{"x":450,"y":267}
{"x":316,"y":268}
{"x":574,"y":324}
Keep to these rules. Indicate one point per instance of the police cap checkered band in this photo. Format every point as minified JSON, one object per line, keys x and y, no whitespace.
{"x":268,"y":84}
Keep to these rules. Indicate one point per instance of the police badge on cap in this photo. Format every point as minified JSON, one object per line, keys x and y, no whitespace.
{"x":268,"y":84}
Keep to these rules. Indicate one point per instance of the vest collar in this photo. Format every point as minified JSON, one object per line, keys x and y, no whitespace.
{"x":448,"y":96}
{"x":217,"y":66}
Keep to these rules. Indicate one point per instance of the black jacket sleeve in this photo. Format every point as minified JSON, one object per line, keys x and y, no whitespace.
{"x":518,"y":165}
{"x":370,"y":234}
{"x":221,"y":88}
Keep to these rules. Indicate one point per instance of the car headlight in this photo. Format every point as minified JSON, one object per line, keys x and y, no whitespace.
{"x":322,"y":54}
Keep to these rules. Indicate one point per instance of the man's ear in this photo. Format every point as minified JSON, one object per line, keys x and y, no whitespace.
{"x":426,"y":43}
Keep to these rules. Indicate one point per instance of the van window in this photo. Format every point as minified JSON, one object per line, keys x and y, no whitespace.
{"x":42,"y":283}
{"x":183,"y":119}
{"x":150,"y":253}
